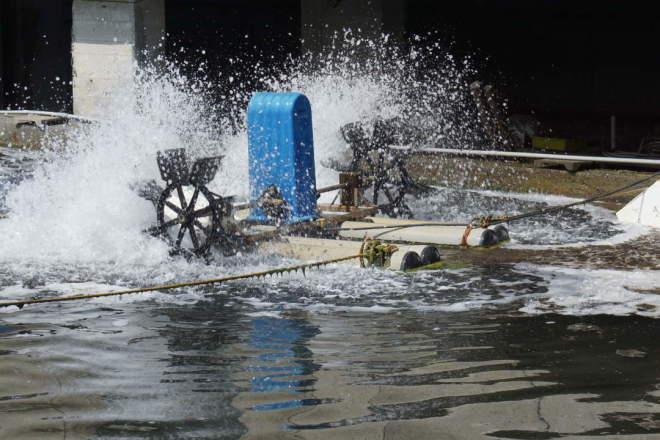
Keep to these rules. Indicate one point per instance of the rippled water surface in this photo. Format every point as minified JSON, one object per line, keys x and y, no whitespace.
{"x":223,"y":369}
{"x":467,"y":352}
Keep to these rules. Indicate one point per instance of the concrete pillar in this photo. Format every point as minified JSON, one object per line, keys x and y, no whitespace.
{"x":109,"y":38}
{"x":322,"y":20}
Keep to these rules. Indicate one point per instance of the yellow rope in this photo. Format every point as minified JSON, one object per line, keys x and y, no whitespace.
{"x":486,"y":221}
{"x":377,"y":254}
{"x":20,"y":304}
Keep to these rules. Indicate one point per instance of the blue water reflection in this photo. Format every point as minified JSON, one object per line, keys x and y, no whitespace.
{"x":285,"y":362}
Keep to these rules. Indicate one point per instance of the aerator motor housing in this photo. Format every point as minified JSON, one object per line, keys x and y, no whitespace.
{"x":281,"y":155}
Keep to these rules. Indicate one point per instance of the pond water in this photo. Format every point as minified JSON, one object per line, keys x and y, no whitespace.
{"x":342,"y":352}
{"x":492,"y":350}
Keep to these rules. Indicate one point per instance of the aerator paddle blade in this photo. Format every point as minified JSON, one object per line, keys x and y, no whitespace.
{"x":384,"y":133}
{"x":173,"y":166}
{"x":355,"y":135}
{"x":204,"y":169}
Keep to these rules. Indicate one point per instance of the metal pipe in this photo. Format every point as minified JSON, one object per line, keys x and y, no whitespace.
{"x":248,"y":205}
{"x":332,"y":188}
{"x":612,"y":132}
{"x":245,"y":205}
{"x":654,"y":163}
{"x":443,"y":235}
{"x":47,"y":114}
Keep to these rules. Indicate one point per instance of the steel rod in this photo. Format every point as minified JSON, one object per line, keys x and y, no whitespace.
{"x":248,"y":205}
{"x":332,"y":188}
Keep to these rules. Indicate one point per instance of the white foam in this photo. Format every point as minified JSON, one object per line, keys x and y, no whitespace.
{"x":625,"y":232}
{"x":592,"y":292}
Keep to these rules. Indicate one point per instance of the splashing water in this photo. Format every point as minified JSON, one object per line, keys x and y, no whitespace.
{"x":343,"y":349}
{"x":77,"y":218}
{"x":79,"y":205}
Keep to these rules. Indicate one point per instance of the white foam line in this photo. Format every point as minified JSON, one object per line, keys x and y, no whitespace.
{"x":589,"y":292}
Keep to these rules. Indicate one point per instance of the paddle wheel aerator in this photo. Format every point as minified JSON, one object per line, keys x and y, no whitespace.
{"x":190,"y":216}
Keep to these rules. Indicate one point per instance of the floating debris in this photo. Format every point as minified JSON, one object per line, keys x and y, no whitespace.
{"x":631,"y":353}
{"x":581,"y":327}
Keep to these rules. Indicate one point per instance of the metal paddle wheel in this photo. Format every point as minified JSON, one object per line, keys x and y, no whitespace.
{"x":190,"y":216}
{"x":381,"y":168}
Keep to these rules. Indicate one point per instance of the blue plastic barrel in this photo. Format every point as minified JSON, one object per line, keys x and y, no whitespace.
{"x":281,"y":153}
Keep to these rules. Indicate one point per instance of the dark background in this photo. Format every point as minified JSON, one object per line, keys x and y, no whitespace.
{"x":35,"y":49}
{"x":241,"y":39}
{"x":571,"y":63}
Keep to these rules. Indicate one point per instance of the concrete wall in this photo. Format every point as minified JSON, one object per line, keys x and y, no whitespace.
{"x":323,"y":20}
{"x":109,"y":37}
{"x":149,"y":29}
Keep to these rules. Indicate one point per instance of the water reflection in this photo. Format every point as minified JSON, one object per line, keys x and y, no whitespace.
{"x":222,"y":369}
{"x":439,"y":375}
{"x":284,"y":360}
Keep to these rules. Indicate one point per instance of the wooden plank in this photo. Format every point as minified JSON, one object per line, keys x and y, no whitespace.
{"x":345,"y":208}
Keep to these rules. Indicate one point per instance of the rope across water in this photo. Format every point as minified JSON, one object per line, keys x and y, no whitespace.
{"x":510,"y":218}
{"x":264,"y":273}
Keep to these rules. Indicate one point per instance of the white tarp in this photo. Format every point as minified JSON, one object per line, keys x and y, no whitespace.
{"x":643,"y":209}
